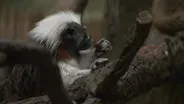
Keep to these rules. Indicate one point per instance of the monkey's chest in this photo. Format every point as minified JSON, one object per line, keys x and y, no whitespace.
{"x":63,"y":55}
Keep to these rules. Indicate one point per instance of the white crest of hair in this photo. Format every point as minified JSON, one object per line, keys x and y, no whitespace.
{"x":49,"y":29}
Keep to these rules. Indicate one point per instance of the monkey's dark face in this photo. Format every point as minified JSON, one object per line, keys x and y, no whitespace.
{"x":74,"y":38}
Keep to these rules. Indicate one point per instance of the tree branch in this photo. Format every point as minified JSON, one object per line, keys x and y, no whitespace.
{"x":146,"y":71}
{"x":108,"y":77}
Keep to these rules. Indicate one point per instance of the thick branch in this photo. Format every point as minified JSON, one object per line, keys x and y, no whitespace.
{"x":147,"y":70}
{"x":107,"y":77}
{"x":153,"y":66}
{"x":144,"y":21}
{"x":132,"y":45}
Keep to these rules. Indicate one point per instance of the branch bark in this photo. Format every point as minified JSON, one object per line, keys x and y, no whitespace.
{"x":146,"y":71}
{"x":106,"y":88}
{"x":154,"y":67}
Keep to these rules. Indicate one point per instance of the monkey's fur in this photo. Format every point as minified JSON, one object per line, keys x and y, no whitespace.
{"x":168,"y":15}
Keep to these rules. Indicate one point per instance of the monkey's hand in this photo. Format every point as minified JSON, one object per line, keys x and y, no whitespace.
{"x":99,"y":63}
{"x":102,"y":46}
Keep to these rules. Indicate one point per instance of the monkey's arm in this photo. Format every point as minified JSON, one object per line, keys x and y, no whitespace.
{"x":28,"y":53}
{"x":89,"y":56}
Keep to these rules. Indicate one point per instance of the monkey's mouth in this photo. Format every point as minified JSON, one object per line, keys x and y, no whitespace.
{"x":72,"y":49}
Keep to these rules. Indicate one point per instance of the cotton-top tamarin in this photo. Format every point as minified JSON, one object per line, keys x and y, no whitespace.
{"x":67,"y":39}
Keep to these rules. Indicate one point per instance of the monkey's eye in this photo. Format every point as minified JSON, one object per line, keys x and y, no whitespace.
{"x":70,"y":31}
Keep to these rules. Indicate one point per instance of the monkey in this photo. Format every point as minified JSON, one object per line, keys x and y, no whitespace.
{"x":69,"y":44}
{"x":168,"y":15}
{"x":64,"y":35}
{"x":88,"y":62}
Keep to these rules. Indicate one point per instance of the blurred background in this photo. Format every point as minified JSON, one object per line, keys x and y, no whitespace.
{"x":17,"y":17}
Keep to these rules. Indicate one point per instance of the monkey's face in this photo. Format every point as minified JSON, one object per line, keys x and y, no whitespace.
{"x":74,"y":38}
